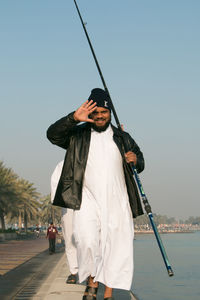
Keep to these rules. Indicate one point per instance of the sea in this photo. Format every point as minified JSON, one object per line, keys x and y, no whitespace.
{"x":151,"y":280}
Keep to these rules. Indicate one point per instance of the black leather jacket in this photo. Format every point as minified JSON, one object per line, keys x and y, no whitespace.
{"x":75,"y":138}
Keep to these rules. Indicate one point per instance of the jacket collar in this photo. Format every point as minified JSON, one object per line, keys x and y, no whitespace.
{"x":116,"y":131}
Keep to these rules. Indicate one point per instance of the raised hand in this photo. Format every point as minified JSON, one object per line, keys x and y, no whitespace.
{"x":82,"y":113}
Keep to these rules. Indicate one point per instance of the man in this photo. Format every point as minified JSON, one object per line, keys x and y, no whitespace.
{"x":51,"y":235}
{"x":97,"y":183}
{"x":66,"y":221}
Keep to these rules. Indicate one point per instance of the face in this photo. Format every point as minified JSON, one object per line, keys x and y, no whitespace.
{"x":101,"y":117}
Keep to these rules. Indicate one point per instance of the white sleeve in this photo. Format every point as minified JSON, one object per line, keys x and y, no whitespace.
{"x":55,"y":179}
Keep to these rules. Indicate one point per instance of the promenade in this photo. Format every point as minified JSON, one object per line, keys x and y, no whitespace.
{"x":29,"y":272}
{"x":15,"y":252}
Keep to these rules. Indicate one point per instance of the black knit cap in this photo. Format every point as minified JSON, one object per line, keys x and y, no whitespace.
{"x":101,"y":97}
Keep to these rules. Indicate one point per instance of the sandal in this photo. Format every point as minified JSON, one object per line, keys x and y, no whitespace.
{"x":72,"y":278}
{"x":91,"y":293}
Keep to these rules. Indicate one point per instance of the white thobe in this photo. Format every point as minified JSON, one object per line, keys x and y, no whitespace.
{"x":103,"y":227}
{"x":67,"y":223}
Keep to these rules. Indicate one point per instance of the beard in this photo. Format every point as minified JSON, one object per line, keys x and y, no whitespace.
{"x":101,"y":128}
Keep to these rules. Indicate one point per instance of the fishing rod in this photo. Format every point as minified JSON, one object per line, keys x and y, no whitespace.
{"x":135,"y":174}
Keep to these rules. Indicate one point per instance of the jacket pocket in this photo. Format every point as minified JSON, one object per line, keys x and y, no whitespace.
{"x":66,"y":184}
{"x":67,"y":190}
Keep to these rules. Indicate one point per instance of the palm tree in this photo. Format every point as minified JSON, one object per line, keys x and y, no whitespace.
{"x":27,"y":202}
{"x":18,"y":198}
{"x":8,"y":191}
{"x":49,"y":212}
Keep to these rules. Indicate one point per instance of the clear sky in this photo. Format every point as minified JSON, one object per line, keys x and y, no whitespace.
{"x":149,"y":52}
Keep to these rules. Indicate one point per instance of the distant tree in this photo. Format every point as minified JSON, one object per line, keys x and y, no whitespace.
{"x":142,"y":220}
{"x":8,"y":191}
{"x":158,"y":219}
{"x":171,"y":220}
{"x":28,"y":201}
{"x":49,"y":211}
{"x":163,"y":219}
{"x":18,"y":198}
{"x":193,"y":220}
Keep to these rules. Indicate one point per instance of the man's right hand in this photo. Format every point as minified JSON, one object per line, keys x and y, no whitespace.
{"x":82,"y":113}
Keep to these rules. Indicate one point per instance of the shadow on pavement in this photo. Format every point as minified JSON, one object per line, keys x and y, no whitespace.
{"x":23,"y":281}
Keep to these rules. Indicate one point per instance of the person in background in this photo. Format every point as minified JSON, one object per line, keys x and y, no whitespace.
{"x":66,"y":221}
{"x":37,"y":230}
{"x":51,"y":235}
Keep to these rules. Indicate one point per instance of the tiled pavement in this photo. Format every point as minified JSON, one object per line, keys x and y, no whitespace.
{"x":29,"y":272}
{"x":15,"y":252}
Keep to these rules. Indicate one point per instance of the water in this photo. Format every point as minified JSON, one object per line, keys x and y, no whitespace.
{"x":151,"y":280}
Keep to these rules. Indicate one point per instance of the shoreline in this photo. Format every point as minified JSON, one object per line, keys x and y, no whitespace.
{"x":163,"y":231}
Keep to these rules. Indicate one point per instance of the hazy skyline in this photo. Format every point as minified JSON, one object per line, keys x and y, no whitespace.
{"x":149,"y":54}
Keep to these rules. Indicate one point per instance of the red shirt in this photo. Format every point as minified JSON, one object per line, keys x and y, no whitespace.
{"x":51,"y":232}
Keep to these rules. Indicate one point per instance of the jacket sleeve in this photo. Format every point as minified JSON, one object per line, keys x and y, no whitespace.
{"x":135,"y":148}
{"x":60,"y":132}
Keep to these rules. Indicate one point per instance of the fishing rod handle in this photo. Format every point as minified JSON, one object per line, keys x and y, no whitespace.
{"x":127,"y":147}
